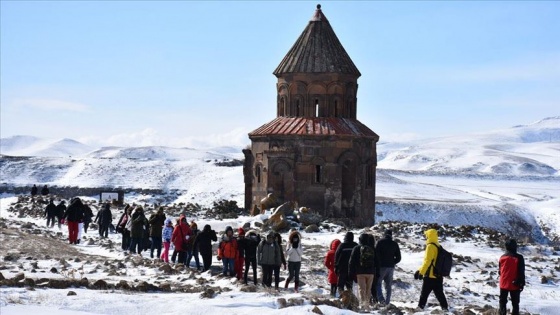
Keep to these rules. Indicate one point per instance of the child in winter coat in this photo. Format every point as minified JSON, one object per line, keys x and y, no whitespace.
{"x":294,"y":251}
{"x":166,"y":234}
{"x":248,"y":248}
{"x":512,"y":277}
{"x":329,"y":263}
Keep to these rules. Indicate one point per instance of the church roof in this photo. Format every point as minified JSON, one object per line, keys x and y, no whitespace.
{"x":317,"y":50}
{"x":316,"y":126}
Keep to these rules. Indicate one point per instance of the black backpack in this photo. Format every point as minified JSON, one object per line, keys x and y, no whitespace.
{"x":444,"y":262}
{"x":367,"y":256}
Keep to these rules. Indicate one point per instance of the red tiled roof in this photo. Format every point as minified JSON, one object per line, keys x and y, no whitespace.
{"x":317,"y":126}
{"x":317,"y":50}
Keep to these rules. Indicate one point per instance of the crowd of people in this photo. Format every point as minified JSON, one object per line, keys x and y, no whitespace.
{"x":369,"y":263}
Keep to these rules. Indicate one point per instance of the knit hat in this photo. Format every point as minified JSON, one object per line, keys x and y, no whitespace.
{"x":167,"y":221}
{"x":229,"y":228}
{"x":241,"y":232}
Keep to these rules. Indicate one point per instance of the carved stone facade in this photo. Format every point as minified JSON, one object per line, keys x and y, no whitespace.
{"x":315,"y":152}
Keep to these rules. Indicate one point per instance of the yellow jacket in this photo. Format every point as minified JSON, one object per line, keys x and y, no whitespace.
{"x":431,"y":253}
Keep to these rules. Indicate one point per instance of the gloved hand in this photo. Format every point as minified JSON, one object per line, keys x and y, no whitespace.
{"x":418,"y":276}
{"x":219,"y":258}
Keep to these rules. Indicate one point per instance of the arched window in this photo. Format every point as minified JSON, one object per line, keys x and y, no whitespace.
{"x":335,"y":108}
{"x":297,"y":107}
{"x":318,"y":174}
{"x":258,"y":173}
{"x":316,"y":108}
{"x":283,"y":106}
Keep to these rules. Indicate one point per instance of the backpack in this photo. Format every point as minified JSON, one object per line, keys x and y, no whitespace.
{"x":444,"y":262}
{"x":367,"y":256}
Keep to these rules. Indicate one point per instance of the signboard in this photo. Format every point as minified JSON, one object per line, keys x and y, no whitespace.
{"x":112,"y":197}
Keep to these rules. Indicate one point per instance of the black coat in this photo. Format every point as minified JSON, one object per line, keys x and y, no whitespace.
{"x":204,"y":241}
{"x":50,"y":210}
{"x":60,"y":210}
{"x":354,"y":266}
{"x":387,"y":253}
{"x":342,"y":256}
{"x":104,"y":217}
{"x":88,"y":214}
{"x":44,"y":191}
{"x":156,"y":221}
{"x":248,"y":246}
{"x":75,"y":211}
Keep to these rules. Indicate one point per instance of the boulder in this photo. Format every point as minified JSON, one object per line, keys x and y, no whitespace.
{"x":71,"y":293}
{"x":308,"y":218}
{"x":312,"y":228}
{"x":349,"y":300}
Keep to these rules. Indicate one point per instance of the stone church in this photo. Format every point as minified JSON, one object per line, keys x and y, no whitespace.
{"x":315,"y":152}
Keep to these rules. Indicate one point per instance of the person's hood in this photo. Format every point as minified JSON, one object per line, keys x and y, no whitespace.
{"x":334,"y":244}
{"x":107,"y":206}
{"x":207,"y":228}
{"x":431,"y":236}
{"x":349,"y":237}
{"x":167,"y":221}
{"x":364,"y":239}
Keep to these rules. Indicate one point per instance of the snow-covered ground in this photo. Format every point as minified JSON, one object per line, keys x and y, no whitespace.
{"x":506,"y":180}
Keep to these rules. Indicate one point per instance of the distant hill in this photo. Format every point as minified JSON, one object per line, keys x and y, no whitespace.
{"x":532,"y":149}
{"x":33,"y":146}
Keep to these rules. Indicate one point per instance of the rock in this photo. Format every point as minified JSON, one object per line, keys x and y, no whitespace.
{"x":544,"y":280}
{"x":295,"y":301}
{"x":258,"y":224}
{"x":28,"y":282}
{"x":349,"y":300}
{"x":71,"y":293}
{"x":122,"y":285}
{"x":167,"y":269}
{"x":100,"y":285}
{"x":84,"y":282}
{"x":165,"y":287}
{"x":286,"y":208}
{"x":308,"y":218}
{"x":11,"y":257}
{"x":1,"y":277}
{"x":282,"y":303}
{"x":59,"y":283}
{"x":316,"y":310}
{"x":278,"y":221}
{"x":248,"y":288}
{"x":18,"y":277}
{"x":312,"y":228}
{"x":208,"y":294}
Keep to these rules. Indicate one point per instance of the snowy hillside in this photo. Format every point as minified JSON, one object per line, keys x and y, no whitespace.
{"x":532,"y":149}
{"x":33,"y":146}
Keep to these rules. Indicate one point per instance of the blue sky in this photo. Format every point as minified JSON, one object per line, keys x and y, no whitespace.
{"x":183,"y":73}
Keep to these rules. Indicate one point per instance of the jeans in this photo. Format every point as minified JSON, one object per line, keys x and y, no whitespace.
{"x":429,"y":285}
{"x":515,"y":297}
{"x":253,"y":263}
{"x":385,"y":275}
{"x":125,"y":245}
{"x":156,"y":244}
{"x":267,"y":275}
{"x":190,"y":255}
{"x":293,"y":269}
{"x":344,"y":280}
{"x":103,"y":230}
{"x":228,"y":266}
{"x":206,"y":260}
{"x":50,"y":221}
{"x":136,"y":241}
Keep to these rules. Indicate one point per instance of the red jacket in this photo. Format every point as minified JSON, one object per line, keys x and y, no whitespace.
{"x":180,"y":234}
{"x":228,"y":249}
{"x":329,"y":261}
{"x":512,"y":269}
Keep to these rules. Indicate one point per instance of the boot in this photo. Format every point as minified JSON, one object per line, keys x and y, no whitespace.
{"x":296,"y":287}
{"x":286,"y":284}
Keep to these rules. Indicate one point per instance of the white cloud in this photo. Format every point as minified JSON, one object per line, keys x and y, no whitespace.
{"x":50,"y":104}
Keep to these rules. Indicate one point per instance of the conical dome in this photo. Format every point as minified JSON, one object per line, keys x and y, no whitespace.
{"x":317,"y":50}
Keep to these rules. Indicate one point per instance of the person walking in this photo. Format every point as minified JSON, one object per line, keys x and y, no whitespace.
{"x":137,"y":223}
{"x":34,"y":190}
{"x":388,"y":254}
{"x":122,"y":227}
{"x":203,"y":242}
{"x":341,"y":259}
{"x":512,"y":277}
{"x":167,"y":233}
{"x":50,"y":213}
{"x":156,"y":221}
{"x":88,"y":214}
{"x":104,"y":219}
{"x":329,"y":263}
{"x":431,"y":281}
{"x":362,"y":266}
{"x":60,"y":210}
{"x":294,"y":252}
{"x":74,"y":214}
{"x":193,"y":253}
{"x":268,"y":256}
